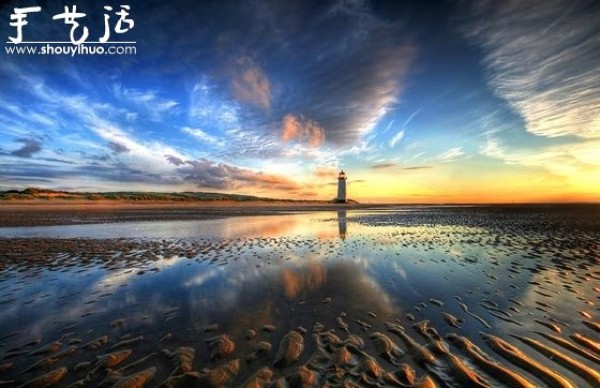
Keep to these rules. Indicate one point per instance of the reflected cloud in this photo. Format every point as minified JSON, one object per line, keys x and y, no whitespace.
{"x":348,"y":285}
{"x":200,"y":279}
{"x":307,"y":279}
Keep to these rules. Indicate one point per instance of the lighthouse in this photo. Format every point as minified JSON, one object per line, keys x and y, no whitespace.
{"x":341,"y":192}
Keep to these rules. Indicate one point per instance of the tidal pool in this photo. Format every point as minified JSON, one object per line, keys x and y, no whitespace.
{"x":462,"y":296}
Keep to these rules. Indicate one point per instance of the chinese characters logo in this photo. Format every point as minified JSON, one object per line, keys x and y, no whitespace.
{"x":79,"y":33}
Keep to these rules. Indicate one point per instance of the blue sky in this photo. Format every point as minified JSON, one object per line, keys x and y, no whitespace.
{"x":458,"y":101}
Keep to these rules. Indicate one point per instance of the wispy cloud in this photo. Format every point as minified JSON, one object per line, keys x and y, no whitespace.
{"x":326,"y":172}
{"x":142,"y":161}
{"x":148,"y":101}
{"x":400,"y":134}
{"x":387,"y":165}
{"x":201,"y":135}
{"x":251,"y":144}
{"x":396,"y":138}
{"x":99,"y":176}
{"x":209,"y":106}
{"x":492,"y":149}
{"x":414,"y":168}
{"x":574,"y":160}
{"x":451,"y":155}
{"x":381,"y":166}
{"x":542,"y":58}
{"x":348,"y":104}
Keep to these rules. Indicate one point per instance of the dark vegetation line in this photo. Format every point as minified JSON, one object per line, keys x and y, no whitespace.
{"x":35,"y":193}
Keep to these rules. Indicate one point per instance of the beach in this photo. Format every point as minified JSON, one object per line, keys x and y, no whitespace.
{"x":299,"y":295}
{"x":58,"y":212}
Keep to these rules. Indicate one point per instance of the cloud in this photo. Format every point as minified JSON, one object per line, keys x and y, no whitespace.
{"x":396,"y":139}
{"x":149,"y":99}
{"x":29,"y":147}
{"x":492,"y":149}
{"x":451,"y":155}
{"x":201,"y":135}
{"x":97,"y":118}
{"x":209,"y":174}
{"x":574,"y":160}
{"x":174,"y":160}
{"x":542,"y":58}
{"x":117,"y":148}
{"x":319,"y":74}
{"x":252,"y":144}
{"x":412,"y":168}
{"x":153,"y":105}
{"x":337,"y":63}
{"x":249,"y":84}
{"x":142,"y":156}
{"x":209,"y":106}
{"x":400,"y":134}
{"x":380,"y":166}
{"x":270,"y":152}
{"x":446,"y":157}
{"x":348,"y":103}
{"x":98,"y":175}
{"x":325,"y":172}
{"x":302,"y":129}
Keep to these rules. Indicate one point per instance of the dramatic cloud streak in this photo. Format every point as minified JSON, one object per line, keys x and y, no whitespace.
{"x":543,"y":60}
{"x":351,"y":92}
{"x":335,"y":63}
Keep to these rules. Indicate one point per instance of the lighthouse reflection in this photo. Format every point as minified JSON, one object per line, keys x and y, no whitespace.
{"x":341,"y":215}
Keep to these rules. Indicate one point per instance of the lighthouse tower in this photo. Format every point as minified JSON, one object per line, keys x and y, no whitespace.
{"x":341,"y":192}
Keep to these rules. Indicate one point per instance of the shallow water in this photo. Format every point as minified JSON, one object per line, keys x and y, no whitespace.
{"x":517,"y":274}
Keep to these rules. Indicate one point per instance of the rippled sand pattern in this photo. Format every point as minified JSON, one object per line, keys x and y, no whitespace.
{"x":419,"y":297}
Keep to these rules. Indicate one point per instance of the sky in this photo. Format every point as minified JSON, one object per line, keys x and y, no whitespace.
{"x":419,"y":102}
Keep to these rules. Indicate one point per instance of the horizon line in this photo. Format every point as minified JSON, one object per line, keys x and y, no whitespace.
{"x":363,"y":201}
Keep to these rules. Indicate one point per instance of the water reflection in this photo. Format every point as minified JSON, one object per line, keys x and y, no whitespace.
{"x":290,"y":271}
{"x":310,"y":278}
{"x":231,"y":228}
{"x":341,"y":214}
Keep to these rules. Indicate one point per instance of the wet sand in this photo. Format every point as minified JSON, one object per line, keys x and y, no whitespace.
{"x":66,"y":212}
{"x":430,"y":297}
